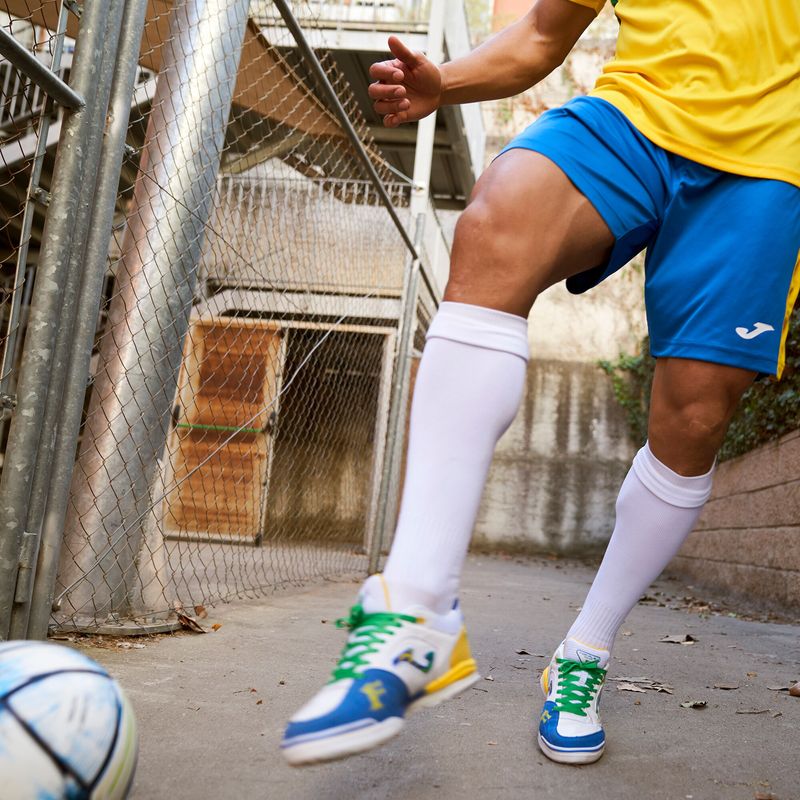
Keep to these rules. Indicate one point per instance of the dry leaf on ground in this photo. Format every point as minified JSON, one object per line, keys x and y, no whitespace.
{"x":694,"y":704}
{"x":190,"y":623}
{"x":685,"y":638}
{"x":630,"y":687}
{"x":186,"y":620}
{"x":642,"y":684}
{"x":726,"y":686}
{"x":752,"y":710}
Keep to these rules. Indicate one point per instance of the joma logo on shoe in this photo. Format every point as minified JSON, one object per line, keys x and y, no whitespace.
{"x":407,"y":656}
{"x":374,"y":691}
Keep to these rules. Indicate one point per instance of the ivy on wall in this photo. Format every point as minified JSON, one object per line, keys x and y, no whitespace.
{"x":769,"y":409}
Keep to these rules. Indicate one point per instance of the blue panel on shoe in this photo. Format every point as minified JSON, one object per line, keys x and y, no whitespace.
{"x":548,"y":728}
{"x":374,"y":697}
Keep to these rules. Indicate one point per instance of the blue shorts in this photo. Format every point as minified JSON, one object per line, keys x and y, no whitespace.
{"x":723,"y":250}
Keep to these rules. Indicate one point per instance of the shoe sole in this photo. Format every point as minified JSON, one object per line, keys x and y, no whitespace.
{"x":365,"y":739}
{"x":564,"y":756}
{"x":568,"y":757}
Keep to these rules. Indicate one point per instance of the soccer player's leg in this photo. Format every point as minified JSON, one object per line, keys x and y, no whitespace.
{"x":718,"y":298}
{"x":578,"y":191}
{"x":527,"y":227}
{"x":658,"y":505}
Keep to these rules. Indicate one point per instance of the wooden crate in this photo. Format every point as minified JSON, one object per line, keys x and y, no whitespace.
{"x":220,"y":448}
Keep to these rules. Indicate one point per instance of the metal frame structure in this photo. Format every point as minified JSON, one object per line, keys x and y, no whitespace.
{"x":39,"y":474}
{"x":19,"y":545}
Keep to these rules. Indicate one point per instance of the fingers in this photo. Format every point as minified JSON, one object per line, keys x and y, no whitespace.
{"x":391,"y":106}
{"x":394,"y":120}
{"x":388,"y":92}
{"x":387,"y":72}
{"x":382,"y":91}
{"x":401,"y":52}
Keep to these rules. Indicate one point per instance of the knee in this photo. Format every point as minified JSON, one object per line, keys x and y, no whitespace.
{"x":691,"y":405}
{"x":480,"y":227}
{"x":484,"y":259}
{"x":692,"y":420}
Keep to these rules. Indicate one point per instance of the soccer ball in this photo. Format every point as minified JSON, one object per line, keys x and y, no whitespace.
{"x":67,"y":732}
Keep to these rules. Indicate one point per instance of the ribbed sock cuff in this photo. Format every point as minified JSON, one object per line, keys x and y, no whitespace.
{"x":677,"y":490}
{"x":596,"y":626}
{"x":481,"y":327}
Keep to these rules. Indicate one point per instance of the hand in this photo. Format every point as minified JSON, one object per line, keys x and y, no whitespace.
{"x":408,"y":88}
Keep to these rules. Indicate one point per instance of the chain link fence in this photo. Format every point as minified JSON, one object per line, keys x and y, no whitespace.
{"x":204,"y":398}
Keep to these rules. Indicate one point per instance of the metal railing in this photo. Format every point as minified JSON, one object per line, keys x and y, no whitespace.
{"x":370,"y":14}
{"x":23,"y":100}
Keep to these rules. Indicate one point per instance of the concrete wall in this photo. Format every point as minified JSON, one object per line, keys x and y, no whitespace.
{"x":747,"y":541}
{"x":558,"y":469}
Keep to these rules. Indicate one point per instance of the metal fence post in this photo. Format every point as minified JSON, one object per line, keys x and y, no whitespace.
{"x":423,"y":159}
{"x":88,"y":302}
{"x":54,"y":258}
{"x":397,"y":415}
{"x":149,"y":316}
{"x":40,"y":482}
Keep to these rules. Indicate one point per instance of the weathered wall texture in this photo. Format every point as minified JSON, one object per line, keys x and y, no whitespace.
{"x":558,"y":468}
{"x":606,"y":321}
{"x":747,"y":541}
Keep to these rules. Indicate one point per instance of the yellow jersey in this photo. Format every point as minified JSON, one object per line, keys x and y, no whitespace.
{"x":715,"y":81}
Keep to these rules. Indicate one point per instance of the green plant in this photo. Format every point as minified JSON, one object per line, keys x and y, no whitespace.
{"x":632,"y":377}
{"x":768,"y":410}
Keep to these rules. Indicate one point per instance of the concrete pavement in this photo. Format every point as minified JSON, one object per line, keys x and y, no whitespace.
{"x":211,"y":708}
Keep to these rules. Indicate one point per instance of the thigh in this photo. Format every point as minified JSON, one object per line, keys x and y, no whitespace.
{"x":576,"y":195}
{"x":526,"y":228}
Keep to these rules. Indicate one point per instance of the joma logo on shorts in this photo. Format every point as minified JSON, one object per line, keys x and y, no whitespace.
{"x":760,"y":327}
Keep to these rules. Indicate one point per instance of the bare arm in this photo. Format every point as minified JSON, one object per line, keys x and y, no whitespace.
{"x":410,"y":86}
{"x":519,"y":56}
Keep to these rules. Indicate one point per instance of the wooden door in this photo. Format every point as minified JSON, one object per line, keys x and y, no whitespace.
{"x":220,"y":445}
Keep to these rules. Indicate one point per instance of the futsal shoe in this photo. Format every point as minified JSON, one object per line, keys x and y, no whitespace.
{"x":393,"y":662}
{"x":570,"y":730}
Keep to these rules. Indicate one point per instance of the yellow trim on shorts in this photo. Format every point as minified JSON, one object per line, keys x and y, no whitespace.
{"x":794,"y":290}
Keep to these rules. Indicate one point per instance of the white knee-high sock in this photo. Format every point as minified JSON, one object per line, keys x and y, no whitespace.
{"x":656,"y":511}
{"x":468,"y":389}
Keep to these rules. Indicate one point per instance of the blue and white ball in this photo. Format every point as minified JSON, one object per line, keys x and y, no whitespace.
{"x":67,"y":732}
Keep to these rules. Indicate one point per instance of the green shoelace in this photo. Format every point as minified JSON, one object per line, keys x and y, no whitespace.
{"x":578,"y":683}
{"x":367,"y":632}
